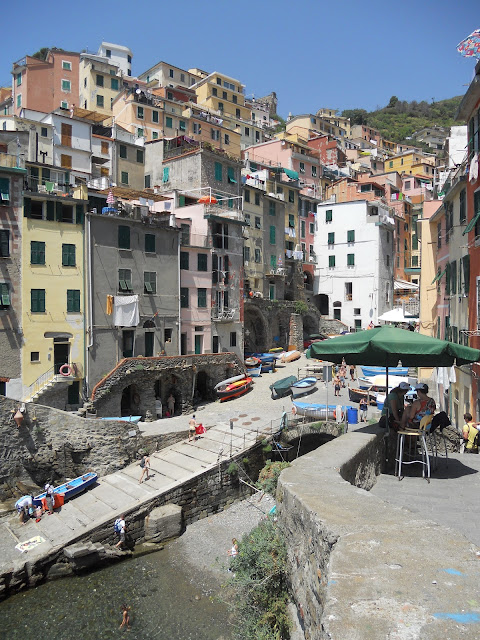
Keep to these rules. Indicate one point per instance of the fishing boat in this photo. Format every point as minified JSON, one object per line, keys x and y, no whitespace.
{"x":252,"y":361}
{"x":131,"y":419}
{"x":379,"y":382}
{"x":233,"y":389}
{"x":228,"y":381}
{"x":71,"y":488}
{"x":290,"y":356}
{"x":355,"y":395}
{"x":392,"y":371}
{"x":315,"y":410}
{"x":254,"y":372}
{"x":305,"y":385}
{"x":282,"y":387}
{"x":276,"y":350}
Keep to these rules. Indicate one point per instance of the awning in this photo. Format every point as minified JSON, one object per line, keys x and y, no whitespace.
{"x":439,"y":275}
{"x":471,"y":224}
{"x":404,"y":284}
{"x":293,"y":175}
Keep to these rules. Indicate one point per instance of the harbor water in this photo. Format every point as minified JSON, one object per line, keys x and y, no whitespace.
{"x":167,"y":600}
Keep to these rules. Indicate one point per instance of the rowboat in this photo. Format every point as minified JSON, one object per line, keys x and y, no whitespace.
{"x":355,"y":395}
{"x":254,"y":372}
{"x":71,"y":488}
{"x":290,"y":356}
{"x":315,"y":410}
{"x":305,"y":385}
{"x":228,"y":381}
{"x":392,"y":371}
{"x":282,"y":387}
{"x":252,"y":361}
{"x":233,"y":389}
{"x":132,"y":419}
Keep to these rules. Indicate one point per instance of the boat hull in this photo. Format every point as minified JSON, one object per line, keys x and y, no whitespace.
{"x":282,"y":387}
{"x":254,"y":372}
{"x":320,"y":411}
{"x":132,"y":419}
{"x":392,"y":371}
{"x":355,"y":395}
{"x":234,"y":390}
{"x":70,"y":489}
{"x":303,"y":387}
{"x":290,"y":356}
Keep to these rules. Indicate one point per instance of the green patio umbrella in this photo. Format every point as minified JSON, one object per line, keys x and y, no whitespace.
{"x":385,"y":346}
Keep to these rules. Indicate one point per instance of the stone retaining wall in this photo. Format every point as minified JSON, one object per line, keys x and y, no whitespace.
{"x":360,"y":568}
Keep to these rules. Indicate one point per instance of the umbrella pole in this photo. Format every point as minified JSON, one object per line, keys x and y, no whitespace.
{"x":388,"y":407}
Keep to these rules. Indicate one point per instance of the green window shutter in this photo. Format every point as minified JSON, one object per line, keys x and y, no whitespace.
{"x":184,"y":260}
{"x":73,"y":300}
{"x":351,"y":235}
{"x":58,"y":211}
{"x":182,"y":125}
{"x":202,"y":262}
{"x":453,"y":277}
{"x":331,"y":261}
{"x":181,"y":201}
{"x":273,"y":262}
{"x":466,"y":274}
{"x":123,"y":237}
{"x":291,"y":195}
{"x":447,"y":280}
{"x":68,"y":255}
{"x":149,"y":243}
{"x":231,"y":175}
{"x":271,"y":208}
{"x":168,"y":122}
{"x":50,"y":210}
{"x":4,"y":295}
{"x":415,"y":243}
{"x":166,"y":173}
{"x":218,"y":171}
{"x":272,"y":234}
{"x":201,"y":298}
{"x":331,"y":238}
{"x":329,"y":215}
{"x":69,"y":300}
{"x":37,"y":300}
{"x":148,"y":287}
{"x":350,"y":259}
{"x":291,"y":220}
{"x":27,"y":207}
{"x":184,"y":297}
{"x":37,"y":252}
{"x":79,"y":214}
{"x":4,"y":243}
{"x":4,"y":189}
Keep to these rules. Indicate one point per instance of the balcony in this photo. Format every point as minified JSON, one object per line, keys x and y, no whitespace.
{"x":11,"y":162}
{"x":37,"y":185}
{"x":224,"y":315}
{"x":195,"y":240}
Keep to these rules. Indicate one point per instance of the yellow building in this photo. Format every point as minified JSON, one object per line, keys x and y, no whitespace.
{"x":411,"y":162}
{"x":307,"y":125}
{"x":331,"y":116}
{"x":100,"y":83}
{"x":53,"y":291}
{"x":143,"y":115}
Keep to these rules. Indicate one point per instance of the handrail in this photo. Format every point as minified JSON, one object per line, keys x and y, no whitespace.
{"x":40,"y":382}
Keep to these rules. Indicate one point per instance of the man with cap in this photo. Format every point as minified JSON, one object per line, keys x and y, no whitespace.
{"x":421,"y":407}
{"x":394,"y":405}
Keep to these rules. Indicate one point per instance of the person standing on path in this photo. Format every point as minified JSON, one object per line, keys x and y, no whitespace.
{"x":363,"y":410}
{"x":158,"y":407}
{"x":49,"y":497}
{"x":171,"y":405}
{"x":470,"y":434}
{"x":121,"y":531}
{"x":336,"y":385}
{"x":192,"y":426}
{"x":145,"y":467}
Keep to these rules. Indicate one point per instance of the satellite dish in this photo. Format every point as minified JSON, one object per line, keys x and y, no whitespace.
{"x":137,"y":91}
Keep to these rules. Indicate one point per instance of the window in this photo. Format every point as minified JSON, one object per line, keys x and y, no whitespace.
{"x":68,"y":255}
{"x":358,"y":323}
{"x":218,"y":171}
{"x":4,"y":243}
{"x":220,"y":106}
{"x":291,"y":222}
{"x":184,"y":260}
{"x":302,"y":228}
{"x":66,"y":135}
{"x":257,"y":199}
{"x":123,"y":237}
{"x":125,"y":280}
{"x":231,"y":175}
{"x":201,"y":298}
{"x":182,"y":125}
{"x":139,"y":132}
{"x":258,"y":223}
{"x":329,"y":215}
{"x":466,"y":274}
{"x":390,"y":164}
{"x":331,"y":261}
{"x":331,"y":238}
{"x":312,"y":228}
{"x":166,"y":174}
{"x":104,"y":147}
{"x":147,"y":181}
{"x":99,"y":80}
{"x":114,"y":84}
{"x":19,"y":100}
{"x":271,"y":208}
{"x":227,"y":139}
{"x":154,"y":135}
{"x":169,"y":122}
{"x":257,"y":136}
{"x":129,"y":58}
{"x":73,"y":300}
{"x":233,"y":339}
{"x":215,"y":134}
{"x":66,"y":65}
{"x":150,"y":282}
{"x":351,"y":235}
{"x":214,"y":91}
{"x":463,"y":208}
{"x":124,"y":177}
{"x":4,"y":295}
{"x":19,"y":79}
{"x":202,"y":262}
{"x":139,"y":155}
{"x":314,"y":172}
{"x":4,"y":190}
{"x":246,"y":254}
{"x":64,"y":104}
{"x":407,"y":185}
{"x":257,"y":255}
{"x":37,"y":300}
{"x":100,"y":101}
{"x":197,"y":128}
{"x":123,"y":151}
{"x":34,"y":356}
{"x":149,"y":243}
{"x":247,"y":219}
{"x":237,"y":113}
{"x":184,"y":301}
{"x":357,"y":311}
{"x":170,"y":73}
{"x":350,"y":259}
{"x":291,"y":195}
{"x":302,"y":167}
{"x":246,"y":195}
{"x":44,"y":132}
{"x":37,"y":252}
{"x":272,"y":234}
{"x":453,"y":276}
{"x":414,"y":261}
{"x":66,"y":85}
{"x":182,"y":77}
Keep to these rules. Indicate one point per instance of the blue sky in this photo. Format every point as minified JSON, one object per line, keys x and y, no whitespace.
{"x":311,"y":52}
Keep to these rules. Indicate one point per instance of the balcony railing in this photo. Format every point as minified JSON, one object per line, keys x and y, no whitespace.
{"x":37,"y":185}
{"x":11,"y":161}
{"x":195,"y":240}
{"x":224,"y":315}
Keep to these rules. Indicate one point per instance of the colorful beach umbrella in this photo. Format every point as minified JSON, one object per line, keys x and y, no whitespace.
{"x":207,"y":200}
{"x":110,"y":198}
{"x":470,"y":47}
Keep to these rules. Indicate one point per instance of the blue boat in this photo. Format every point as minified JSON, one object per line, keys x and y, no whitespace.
{"x":132,"y":419}
{"x":316,"y":410}
{"x":71,"y":488}
{"x":392,"y":371}
{"x":254,"y":371}
{"x":305,"y":385}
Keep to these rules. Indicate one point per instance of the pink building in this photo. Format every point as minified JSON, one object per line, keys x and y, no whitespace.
{"x":329,"y":150}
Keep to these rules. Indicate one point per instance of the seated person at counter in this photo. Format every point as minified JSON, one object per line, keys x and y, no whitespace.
{"x":394,"y":406}
{"x":421,"y":407}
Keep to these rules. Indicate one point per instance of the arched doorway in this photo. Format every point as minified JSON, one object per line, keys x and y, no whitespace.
{"x":256,"y":329}
{"x":201,"y":388}
{"x":321,"y":302}
{"x":130,"y":402}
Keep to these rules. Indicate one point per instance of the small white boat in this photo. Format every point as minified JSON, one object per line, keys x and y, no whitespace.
{"x":227,"y":381}
{"x":255,"y":371}
{"x":290,"y":356}
{"x":305,"y":385}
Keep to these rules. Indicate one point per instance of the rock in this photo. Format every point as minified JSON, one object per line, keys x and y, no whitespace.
{"x":59,"y":570}
{"x":164,"y":522}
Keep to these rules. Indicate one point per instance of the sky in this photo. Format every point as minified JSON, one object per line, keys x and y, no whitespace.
{"x":312,"y":53}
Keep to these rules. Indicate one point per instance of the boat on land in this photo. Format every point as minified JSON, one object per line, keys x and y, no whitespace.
{"x":320,"y":411}
{"x":290,"y":356}
{"x":276,"y":350}
{"x":282,"y":387}
{"x":228,"y":381}
{"x":131,"y":419}
{"x":305,"y":385}
{"x":355,"y":395}
{"x":252,"y":361}
{"x":392,"y":371}
{"x":71,"y":488}
{"x":254,"y":372}
{"x":233,"y":389}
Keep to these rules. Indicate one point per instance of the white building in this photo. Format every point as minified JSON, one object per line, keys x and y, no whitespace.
{"x":118,"y":56}
{"x":354,"y":273}
{"x":72,"y":144}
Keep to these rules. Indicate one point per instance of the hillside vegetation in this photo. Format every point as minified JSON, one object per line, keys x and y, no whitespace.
{"x":400,"y":119}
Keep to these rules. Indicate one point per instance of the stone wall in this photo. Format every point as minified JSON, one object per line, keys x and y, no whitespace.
{"x":54,"y":445}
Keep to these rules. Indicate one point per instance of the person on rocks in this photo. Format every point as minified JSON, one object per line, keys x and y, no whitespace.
{"x":145,"y":467}
{"x":120,"y":528}
{"x":171,"y":405}
{"x":192,"y":426}
{"x":49,"y":497}
{"x":23,"y":507}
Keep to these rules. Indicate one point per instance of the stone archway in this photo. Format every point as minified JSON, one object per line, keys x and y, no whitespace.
{"x":202,"y":388}
{"x":322,"y":303}
{"x":130,"y":401}
{"x":256,"y":329}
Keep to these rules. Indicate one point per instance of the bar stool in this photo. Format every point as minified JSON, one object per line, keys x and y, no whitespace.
{"x":417,"y":437}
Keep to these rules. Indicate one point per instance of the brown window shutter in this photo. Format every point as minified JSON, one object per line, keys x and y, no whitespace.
{"x":66,"y":161}
{"x":66,"y":135}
